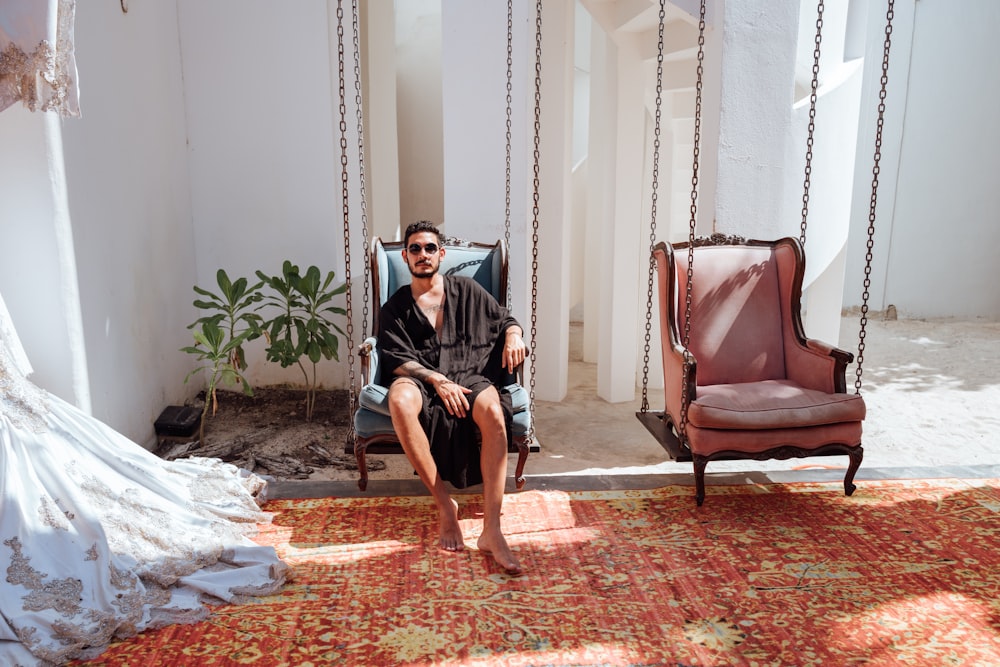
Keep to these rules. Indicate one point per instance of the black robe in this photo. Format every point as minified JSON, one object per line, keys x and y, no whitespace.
{"x":468,"y":352}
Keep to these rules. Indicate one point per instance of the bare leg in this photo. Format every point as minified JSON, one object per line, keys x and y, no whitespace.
{"x":405,"y":403}
{"x":488,"y":415}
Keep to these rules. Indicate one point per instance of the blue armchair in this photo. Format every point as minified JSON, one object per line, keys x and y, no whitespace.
{"x":487,"y":265}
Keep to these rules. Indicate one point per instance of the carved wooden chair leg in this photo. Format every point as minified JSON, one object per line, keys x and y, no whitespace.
{"x":699,"y":478}
{"x":359,"y":453}
{"x":856,"y":456}
{"x":522,"y":457}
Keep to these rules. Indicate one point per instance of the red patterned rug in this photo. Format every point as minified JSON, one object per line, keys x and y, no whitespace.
{"x":902,"y":573}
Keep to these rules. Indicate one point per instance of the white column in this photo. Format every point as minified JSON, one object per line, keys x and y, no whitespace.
{"x":619,"y":307}
{"x":474,"y":89}
{"x":600,"y":180}
{"x":474,"y":72}
{"x":554,"y":205}
{"x":757,"y":74}
{"x":474,"y":110}
{"x":382,"y":143}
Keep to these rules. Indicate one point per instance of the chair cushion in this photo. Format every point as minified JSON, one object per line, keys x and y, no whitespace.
{"x":771,"y":404}
{"x":376,"y":398}
{"x":372,"y":418}
{"x":368,"y":424}
{"x":709,"y":441}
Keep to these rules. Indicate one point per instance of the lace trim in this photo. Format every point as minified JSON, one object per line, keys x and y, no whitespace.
{"x":81,"y":626}
{"x":21,"y":402}
{"x":45,"y":79}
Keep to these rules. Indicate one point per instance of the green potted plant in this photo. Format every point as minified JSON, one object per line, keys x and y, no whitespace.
{"x":304,"y":325}
{"x":216,"y":351}
{"x":219,"y":340}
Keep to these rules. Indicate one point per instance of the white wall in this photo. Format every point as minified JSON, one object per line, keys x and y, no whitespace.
{"x":937,"y":225}
{"x":128,"y":194}
{"x":104,"y":246}
{"x":420,"y":129}
{"x":261,"y":104}
{"x":756,"y":81}
{"x":200,"y":148}
{"x":37,"y":268}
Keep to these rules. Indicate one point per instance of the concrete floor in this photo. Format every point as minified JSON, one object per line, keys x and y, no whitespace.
{"x":587,"y":443}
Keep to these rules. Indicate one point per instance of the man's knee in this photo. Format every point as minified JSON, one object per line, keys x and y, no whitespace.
{"x":405,"y":397}
{"x":487,"y":411}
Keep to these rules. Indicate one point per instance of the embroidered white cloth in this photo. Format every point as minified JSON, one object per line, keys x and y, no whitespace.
{"x":101,"y":539}
{"x":37,"y":61}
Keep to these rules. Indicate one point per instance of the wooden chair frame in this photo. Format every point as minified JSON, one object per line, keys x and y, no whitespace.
{"x":385,"y":441}
{"x":667,"y":427}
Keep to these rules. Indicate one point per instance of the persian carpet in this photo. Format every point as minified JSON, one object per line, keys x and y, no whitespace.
{"x":902,"y":573}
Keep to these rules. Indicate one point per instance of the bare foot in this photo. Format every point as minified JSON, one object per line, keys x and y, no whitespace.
{"x":451,"y":530}
{"x":493,"y":542}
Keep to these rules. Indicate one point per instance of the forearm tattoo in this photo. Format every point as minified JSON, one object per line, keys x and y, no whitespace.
{"x":415,"y":371}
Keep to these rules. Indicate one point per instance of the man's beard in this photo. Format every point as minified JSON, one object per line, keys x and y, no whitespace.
{"x":425,"y":270}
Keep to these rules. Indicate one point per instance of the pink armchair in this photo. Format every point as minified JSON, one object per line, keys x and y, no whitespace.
{"x":757,"y":387}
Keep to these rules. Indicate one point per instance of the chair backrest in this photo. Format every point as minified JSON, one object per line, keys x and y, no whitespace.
{"x":484,"y":263}
{"x":745,"y":301}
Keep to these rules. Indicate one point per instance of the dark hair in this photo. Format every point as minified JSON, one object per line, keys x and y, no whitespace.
{"x":422,"y":226}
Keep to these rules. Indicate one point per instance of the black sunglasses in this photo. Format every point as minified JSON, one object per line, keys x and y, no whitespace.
{"x":429,"y":248}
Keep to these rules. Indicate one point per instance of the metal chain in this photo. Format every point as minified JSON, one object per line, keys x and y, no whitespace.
{"x":535,"y":208}
{"x":345,"y":199}
{"x":652,"y":211}
{"x":682,"y":427}
{"x":874,"y":198}
{"x":812,"y":121}
{"x":362,"y":176}
{"x":510,"y":77}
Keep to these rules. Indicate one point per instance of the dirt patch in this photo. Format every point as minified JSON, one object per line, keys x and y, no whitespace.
{"x":268,"y":434}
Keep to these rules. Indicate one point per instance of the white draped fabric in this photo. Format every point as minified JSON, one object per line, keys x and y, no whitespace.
{"x":37,"y":62}
{"x":101,"y":539}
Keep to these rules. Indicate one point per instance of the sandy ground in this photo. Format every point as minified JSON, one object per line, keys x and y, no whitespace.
{"x":932,"y":388}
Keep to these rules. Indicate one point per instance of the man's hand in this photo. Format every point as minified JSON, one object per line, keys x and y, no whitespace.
{"x":453,"y":396}
{"x":514,"y":349}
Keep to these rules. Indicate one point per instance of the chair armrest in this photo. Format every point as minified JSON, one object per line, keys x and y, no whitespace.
{"x":818,"y":365}
{"x":673,"y":377}
{"x":368,"y":351}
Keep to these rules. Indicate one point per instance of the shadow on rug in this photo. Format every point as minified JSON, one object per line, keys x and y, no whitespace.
{"x":795,"y":574}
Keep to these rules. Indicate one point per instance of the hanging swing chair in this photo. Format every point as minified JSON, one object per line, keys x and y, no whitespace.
{"x":741,"y":379}
{"x":385,"y":272}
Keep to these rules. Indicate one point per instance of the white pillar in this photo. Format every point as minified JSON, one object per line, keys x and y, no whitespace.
{"x":474,"y":89}
{"x":474,"y":72}
{"x":619,"y":307}
{"x":554,"y":215}
{"x":474,"y":111}
{"x":600,"y":180}
{"x":382,"y":143}
{"x":755,"y":87}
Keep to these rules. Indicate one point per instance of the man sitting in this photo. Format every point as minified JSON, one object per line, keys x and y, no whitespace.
{"x":440,"y":336}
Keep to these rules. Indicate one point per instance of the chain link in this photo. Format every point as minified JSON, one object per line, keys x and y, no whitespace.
{"x":874,"y":198}
{"x":510,"y":99}
{"x":812,"y":121}
{"x":536,"y":166}
{"x":345,"y":200}
{"x":686,"y":342}
{"x":362,"y":175}
{"x":652,"y":211}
